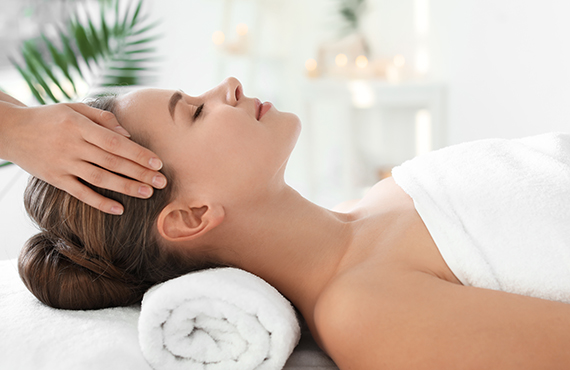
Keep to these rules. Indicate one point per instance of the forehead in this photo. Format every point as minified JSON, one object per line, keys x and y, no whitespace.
{"x":144,"y":97}
{"x":141,"y":106}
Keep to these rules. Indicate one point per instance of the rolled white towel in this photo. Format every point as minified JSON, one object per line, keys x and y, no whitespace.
{"x":217,"y":319}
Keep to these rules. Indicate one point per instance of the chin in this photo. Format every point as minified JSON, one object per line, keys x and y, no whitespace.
{"x":294,"y":119}
{"x":291,"y":123}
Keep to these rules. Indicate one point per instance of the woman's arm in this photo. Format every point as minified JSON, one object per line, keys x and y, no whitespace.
{"x":423,"y":322}
{"x":62,"y":143}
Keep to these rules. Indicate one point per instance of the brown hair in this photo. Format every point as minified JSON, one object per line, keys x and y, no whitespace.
{"x":86,"y":259}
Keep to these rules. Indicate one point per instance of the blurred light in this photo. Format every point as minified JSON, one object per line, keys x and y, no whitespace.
{"x":67,"y":86}
{"x":241,"y":29}
{"x":421,"y":10}
{"x":361,"y":61}
{"x":218,"y":37}
{"x":311,"y":64}
{"x":362,"y":94}
{"x":341,"y":60}
{"x":399,"y":61}
{"x":423,"y":132}
{"x":82,"y":87}
{"x":57,"y":92}
{"x":422,"y":60}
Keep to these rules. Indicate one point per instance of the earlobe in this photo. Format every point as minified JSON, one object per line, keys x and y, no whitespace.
{"x":180,"y":223}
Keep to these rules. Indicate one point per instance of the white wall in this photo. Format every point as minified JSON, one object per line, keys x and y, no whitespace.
{"x":506,"y":63}
{"x":507,"y":66}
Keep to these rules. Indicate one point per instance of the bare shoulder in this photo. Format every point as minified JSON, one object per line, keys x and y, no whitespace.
{"x":422,"y":322}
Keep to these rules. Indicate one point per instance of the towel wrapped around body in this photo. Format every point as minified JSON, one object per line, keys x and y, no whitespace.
{"x":499,"y":211}
{"x":217,"y":319}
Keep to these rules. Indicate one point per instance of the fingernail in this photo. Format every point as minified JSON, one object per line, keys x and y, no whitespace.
{"x":122,"y":131}
{"x":159,"y":181}
{"x":116,"y":210}
{"x":145,"y":191}
{"x":155,"y":163}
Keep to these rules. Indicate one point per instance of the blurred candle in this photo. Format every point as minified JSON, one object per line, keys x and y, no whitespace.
{"x":311,"y":66}
{"x":241,"y":29}
{"x":218,"y":37}
{"x":341,"y":60}
{"x":361,"y":61}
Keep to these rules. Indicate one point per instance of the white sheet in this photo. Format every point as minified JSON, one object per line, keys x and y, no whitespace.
{"x":34,"y":336}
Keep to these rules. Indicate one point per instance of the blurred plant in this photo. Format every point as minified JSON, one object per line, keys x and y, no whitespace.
{"x":351,"y":12}
{"x":111,"y":48}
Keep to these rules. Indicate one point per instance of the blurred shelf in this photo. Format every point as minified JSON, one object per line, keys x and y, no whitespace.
{"x":353,"y":99}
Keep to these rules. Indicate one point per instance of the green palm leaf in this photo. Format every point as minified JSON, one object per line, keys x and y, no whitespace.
{"x":109,"y":48}
{"x":351,"y":12}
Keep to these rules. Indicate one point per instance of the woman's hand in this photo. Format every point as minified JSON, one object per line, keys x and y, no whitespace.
{"x":62,"y":143}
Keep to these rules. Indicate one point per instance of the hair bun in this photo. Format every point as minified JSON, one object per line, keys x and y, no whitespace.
{"x":49,"y":272}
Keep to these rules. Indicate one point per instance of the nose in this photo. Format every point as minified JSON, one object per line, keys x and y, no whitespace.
{"x":233,"y":90}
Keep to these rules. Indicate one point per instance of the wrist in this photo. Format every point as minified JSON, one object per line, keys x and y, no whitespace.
{"x":12,"y":117}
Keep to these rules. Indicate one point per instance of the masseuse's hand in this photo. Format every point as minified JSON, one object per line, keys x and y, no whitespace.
{"x":65,"y":142}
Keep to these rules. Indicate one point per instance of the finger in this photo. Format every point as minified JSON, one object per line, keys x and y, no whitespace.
{"x":125,"y":167}
{"x":92,"y":198}
{"x":99,"y":116}
{"x":107,"y":180}
{"x":122,"y":147}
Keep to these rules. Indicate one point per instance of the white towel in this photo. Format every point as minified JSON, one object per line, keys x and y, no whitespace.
{"x":217,"y":319}
{"x":499,"y":211}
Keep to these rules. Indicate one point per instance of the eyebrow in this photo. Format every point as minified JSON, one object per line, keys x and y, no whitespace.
{"x":173,"y":101}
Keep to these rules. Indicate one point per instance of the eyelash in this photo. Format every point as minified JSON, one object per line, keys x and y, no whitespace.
{"x":198,"y":112}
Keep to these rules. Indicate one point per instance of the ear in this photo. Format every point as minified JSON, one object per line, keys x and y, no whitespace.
{"x":177,"y":222}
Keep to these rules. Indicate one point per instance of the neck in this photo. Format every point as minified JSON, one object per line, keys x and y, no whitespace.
{"x":293,"y":244}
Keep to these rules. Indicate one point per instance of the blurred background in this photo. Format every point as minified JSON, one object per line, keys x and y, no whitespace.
{"x":375,"y":82}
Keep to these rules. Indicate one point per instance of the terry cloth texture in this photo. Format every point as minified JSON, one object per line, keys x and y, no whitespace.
{"x":499,"y":211}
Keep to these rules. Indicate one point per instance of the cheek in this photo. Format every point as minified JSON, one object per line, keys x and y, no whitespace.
{"x":239,"y":134}
{"x":237,"y":149}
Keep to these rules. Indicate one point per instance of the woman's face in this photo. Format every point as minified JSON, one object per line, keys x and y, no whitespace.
{"x":220,"y":143}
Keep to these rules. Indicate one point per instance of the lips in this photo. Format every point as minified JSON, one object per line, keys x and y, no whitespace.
{"x":261,"y":108}
{"x":265,"y":107}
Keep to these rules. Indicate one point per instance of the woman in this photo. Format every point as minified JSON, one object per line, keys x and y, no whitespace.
{"x":368,"y":278}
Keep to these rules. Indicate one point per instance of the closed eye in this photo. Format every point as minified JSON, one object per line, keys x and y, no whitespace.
{"x":198,"y":112}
